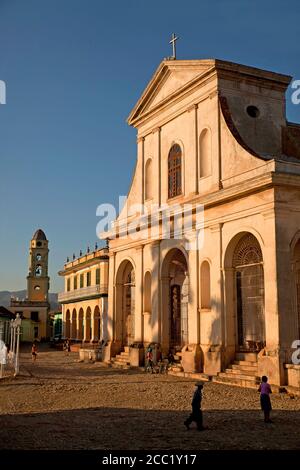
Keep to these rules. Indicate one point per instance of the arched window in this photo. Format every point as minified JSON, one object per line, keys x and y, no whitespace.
{"x":148,"y":179}
{"x":205,"y":153}
{"x":205,"y":285}
{"x":174,"y":171}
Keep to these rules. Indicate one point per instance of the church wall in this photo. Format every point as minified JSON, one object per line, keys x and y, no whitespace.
{"x":178,"y":131}
{"x":287,"y":235}
{"x":263,"y":133}
{"x":236,"y":160}
{"x":181,"y":121}
{"x":210,"y":317}
{"x":197,"y":95}
{"x":207,"y":117}
{"x":172,"y":82}
{"x":151,"y":152}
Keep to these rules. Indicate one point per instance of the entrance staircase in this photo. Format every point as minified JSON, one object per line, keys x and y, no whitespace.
{"x":121,"y":361}
{"x":243,"y":372}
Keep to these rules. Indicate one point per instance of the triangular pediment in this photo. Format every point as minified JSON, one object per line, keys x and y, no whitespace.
{"x":171,"y":77}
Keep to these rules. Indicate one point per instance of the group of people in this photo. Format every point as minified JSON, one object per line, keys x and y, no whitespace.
{"x":196,"y":415}
{"x":34,"y":349}
{"x":159,"y":365}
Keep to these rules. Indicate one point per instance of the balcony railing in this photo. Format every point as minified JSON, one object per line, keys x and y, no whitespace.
{"x":84,"y":292}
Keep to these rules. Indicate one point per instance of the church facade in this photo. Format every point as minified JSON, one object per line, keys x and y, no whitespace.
{"x":212,"y":135}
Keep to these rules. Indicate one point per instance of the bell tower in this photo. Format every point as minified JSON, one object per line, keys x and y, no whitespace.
{"x":37,"y":279}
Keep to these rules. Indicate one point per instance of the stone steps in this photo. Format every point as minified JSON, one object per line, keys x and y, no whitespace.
{"x":245,"y":363}
{"x":237,"y":372}
{"x":243,"y":372}
{"x":238,"y":382}
{"x":241,"y":367}
{"x":121,"y":360}
{"x":237,"y":375}
{"x":246,"y":356}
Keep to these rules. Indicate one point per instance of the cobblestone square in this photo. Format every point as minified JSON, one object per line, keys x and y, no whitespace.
{"x":60,"y":403}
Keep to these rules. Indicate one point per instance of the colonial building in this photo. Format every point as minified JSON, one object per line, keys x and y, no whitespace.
{"x":212,"y":134}
{"x":5,"y":318}
{"x":84,"y":300}
{"x":36,"y":305}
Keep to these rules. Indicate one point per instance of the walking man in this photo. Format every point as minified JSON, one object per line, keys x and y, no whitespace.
{"x":196,"y":414}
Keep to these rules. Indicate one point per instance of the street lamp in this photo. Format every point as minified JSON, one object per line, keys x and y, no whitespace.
{"x":18,"y":322}
{"x":15,"y":341}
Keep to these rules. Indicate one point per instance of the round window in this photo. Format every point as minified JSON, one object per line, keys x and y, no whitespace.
{"x":38,"y":243}
{"x":253,"y":111}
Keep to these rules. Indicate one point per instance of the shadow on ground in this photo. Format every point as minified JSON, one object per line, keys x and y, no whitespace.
{"x":128,"y":429}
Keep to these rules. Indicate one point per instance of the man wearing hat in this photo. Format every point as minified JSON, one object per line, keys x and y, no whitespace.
{"x":196,"y":414}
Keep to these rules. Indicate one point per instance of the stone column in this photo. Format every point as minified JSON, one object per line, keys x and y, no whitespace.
{"x":165,"y":313}
{"x":157,"y":161}
{"x":155,"y":293}
{"x":269,"y":360}
{"x":85,"y":325}
{"x":104,"y":319}
{"x":141,"y":159}
{"x":64,"y":321}
{"x":79,"y":327}
{"x":139,"y":294}
{"x":270,"y":280}
{"x":193,"y":112}
{"x":111,"y":298}
{"x":193,"y":306}
{"x":286,"y":284}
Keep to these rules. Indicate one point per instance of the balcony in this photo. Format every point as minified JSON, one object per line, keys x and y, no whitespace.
{"x":83,"y":293}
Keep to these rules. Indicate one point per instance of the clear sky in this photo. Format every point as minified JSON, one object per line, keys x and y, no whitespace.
{"x":73,"y":71}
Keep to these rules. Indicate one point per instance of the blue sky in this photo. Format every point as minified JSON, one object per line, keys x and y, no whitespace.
{"x":73,"y":71}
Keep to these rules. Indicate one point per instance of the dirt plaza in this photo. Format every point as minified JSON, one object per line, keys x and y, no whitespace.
{"x":60,"y":403}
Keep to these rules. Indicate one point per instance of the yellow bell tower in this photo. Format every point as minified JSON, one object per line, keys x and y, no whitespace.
{"x":37,"y":279}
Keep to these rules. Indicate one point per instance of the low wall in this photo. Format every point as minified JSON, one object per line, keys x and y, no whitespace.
{"x":90,"y":355}
{"x":293,"y":375}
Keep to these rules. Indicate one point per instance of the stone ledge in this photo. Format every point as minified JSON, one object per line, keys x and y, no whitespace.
{"x":190,"y":375}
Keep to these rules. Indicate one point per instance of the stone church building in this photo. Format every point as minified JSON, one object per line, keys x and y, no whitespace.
{"x":212,"y":133}
{"x":35,"y":308}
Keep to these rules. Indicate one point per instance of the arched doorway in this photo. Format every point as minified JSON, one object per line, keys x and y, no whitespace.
{"x":96,"y":325}
{"x":248,"y":292}
{"x":175,"y":291}
{"x":147,"y":293}
{"x":74,"y":325}
{"x":125,"y":303}
{"x":88,"y":324}
{"x":67,"y":324}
